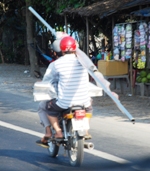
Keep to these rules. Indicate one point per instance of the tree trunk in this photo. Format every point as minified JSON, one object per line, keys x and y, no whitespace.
{"x":82,"y":42}
{"x":2,"y":57}
{"x":30,"y":41}
{"x":93,"y":42}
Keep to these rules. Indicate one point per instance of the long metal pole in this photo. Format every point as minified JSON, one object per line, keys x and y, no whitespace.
{"x":92,"y":70}
{"x":42,"y":20}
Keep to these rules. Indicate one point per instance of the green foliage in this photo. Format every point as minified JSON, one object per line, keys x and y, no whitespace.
{"x":60,"y":5}
{"x":50,"y":10}
{"x":72,"y":3}
{"x":12,"y":25}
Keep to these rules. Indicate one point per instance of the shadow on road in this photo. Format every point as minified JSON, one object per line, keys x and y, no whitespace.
{"x":44,"y":162}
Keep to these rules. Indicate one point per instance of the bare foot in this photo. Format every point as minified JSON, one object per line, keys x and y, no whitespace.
{"x":46,"y":138}
{"x":59,"y":134}
{"x":48,"y":135}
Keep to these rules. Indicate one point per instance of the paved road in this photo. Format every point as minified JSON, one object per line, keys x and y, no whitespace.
{"x":117,"y":141}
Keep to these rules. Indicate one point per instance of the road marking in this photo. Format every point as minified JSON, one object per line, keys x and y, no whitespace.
{"x":107,"y":156}
{"x":93,"y":151}
{"x":20,"y":129}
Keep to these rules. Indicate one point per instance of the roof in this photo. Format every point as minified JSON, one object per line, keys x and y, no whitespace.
{"x":143,"y":12}
{"x":105,"y":7}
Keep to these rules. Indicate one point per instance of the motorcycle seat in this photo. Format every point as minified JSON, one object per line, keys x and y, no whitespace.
{"x":73,"y":108}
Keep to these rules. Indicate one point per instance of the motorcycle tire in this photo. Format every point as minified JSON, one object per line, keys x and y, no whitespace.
{"x":76,"y":146}
{"x":53,"y":149}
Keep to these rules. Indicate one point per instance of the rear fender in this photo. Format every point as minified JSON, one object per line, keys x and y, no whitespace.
{"x":81,"y":133}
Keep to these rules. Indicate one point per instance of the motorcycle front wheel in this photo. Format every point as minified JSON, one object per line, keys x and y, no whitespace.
{"x":53,"y":149}
{"x":76,"y":147}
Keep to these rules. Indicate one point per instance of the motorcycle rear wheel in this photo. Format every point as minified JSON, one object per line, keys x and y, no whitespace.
{"x":53,"y":149}
{"x":76,"y":144}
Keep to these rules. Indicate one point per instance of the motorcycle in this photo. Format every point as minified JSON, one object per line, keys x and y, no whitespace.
{"x":74,"y":123}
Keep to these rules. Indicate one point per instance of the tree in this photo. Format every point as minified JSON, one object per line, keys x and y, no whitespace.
{"x":50,"y":11}
{"x":17,"y":23}
{"x":30,"y":40}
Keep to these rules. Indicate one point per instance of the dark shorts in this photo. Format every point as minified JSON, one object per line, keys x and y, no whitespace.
{"x":53,"y":109}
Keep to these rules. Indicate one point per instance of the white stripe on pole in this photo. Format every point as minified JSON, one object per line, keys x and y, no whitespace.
{"x":42,"y":20}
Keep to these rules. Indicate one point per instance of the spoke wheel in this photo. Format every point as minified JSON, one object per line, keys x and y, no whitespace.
{"x":53,"y":149}
{"x":75,"y":151}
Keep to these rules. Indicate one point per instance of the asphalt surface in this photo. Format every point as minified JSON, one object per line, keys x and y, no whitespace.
{"x":16,"y":80}
{"x":112,"y":136}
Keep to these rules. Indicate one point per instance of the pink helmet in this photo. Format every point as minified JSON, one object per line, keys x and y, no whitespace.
{"x":68,"y":44}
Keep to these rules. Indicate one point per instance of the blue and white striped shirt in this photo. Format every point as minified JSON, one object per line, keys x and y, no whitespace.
{"x":72,"y":80}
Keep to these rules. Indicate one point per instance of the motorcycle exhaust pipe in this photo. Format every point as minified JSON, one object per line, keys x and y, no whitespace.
{"x":89,"y":145}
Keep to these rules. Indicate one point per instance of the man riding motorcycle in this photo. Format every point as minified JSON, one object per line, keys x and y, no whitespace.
{"x":70,"y":80}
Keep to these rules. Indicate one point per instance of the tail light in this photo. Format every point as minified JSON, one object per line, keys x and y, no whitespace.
{"x":68,"y":116}
{"x":88,"y":115}
{"x":80,"y":114}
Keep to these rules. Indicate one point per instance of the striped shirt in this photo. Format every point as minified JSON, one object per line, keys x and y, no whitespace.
{"x":72,"y":81}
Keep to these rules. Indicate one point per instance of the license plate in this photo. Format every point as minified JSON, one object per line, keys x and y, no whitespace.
{"x":80,"y":124}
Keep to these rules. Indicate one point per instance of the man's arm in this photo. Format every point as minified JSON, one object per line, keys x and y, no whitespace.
{"x":51,"y":77}
{"x":48,"y":74}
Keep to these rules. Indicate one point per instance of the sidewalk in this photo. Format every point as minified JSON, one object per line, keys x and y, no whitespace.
{"x":16,"y":79}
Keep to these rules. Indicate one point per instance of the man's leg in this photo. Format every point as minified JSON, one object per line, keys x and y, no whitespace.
{"x":45,"y":123}
{"x":54,"y":122}
{"x":53,"y":111}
